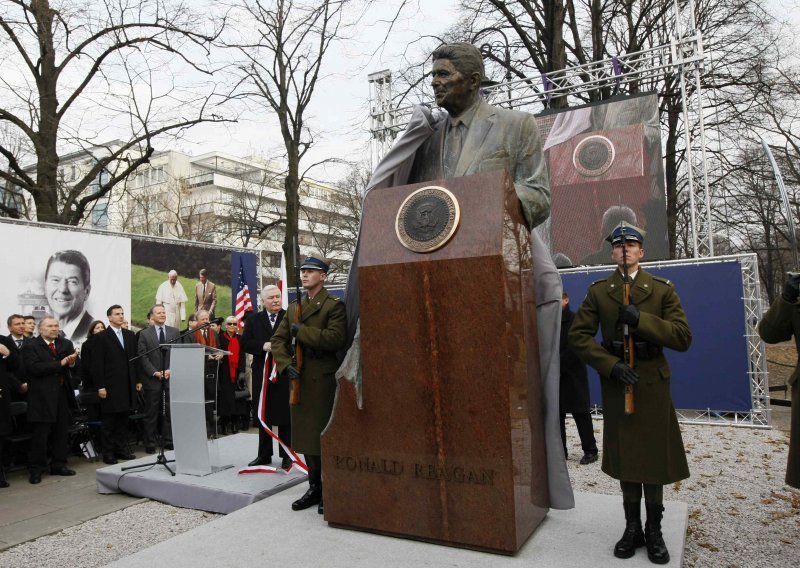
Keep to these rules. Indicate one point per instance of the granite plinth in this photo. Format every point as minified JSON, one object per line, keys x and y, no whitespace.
{"x":449,"y":447}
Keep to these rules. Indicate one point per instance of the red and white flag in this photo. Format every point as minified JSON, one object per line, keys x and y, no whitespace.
{"x":283,"y":283}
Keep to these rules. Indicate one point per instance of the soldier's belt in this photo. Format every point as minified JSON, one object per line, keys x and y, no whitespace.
{"x":643,"y":350}
{"x":311,"y":353}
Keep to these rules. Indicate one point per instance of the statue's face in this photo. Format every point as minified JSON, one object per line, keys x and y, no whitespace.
{"x":453,"y":90}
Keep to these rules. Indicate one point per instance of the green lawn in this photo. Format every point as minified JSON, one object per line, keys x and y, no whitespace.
{"x":144,"y":283}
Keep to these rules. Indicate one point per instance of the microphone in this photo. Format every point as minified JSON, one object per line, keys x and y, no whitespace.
{"x":217,"y":321}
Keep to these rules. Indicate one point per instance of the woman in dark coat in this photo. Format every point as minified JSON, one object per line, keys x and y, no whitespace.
{"x":9,"y":360}
{"x":85,"y":359}
{"x":89,"y":399}
{"x":231,"y":367}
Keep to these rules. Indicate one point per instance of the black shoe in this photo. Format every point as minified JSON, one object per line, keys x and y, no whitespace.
{"x":320,"y":508}
{"x":35,"y":477}
{"x":656,"y":548}
{"x":311,"y":497}
{"x":123,"y":456}
{"x":286,"y":463}
{"x":260,"y":461}
{"x":169,"y":446}
{"x":588,"y":457}
{"x":62,"y":470}
{"x":149,"y":449}
{"x":3,"y":484}
{"x":110,"y":460}
{"x":633,"y":537}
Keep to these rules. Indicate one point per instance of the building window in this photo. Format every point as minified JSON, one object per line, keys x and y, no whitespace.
{"x":100,"y":215}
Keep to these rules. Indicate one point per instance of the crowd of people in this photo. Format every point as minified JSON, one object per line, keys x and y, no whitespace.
{"x":111,"y":374}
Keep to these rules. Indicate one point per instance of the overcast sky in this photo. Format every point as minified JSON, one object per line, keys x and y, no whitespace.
{"x":340,"y":108}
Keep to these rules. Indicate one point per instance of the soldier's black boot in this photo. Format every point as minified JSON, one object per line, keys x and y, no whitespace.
{"x":656,"y":548}
{"x":633,"y":537}
{"x":314,"y":494}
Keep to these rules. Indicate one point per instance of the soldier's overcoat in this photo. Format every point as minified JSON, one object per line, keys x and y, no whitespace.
{"x":645,"y":447}
{"x":323,"y":331}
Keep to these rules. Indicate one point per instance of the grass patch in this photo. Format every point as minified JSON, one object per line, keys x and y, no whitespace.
{"x":144,"y":283}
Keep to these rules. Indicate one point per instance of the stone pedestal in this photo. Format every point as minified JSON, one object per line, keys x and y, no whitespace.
{"x":450,"y":445}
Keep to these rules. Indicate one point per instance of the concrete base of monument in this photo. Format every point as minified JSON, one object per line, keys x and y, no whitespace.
{"x":270,"y":533}
{"x":223,"y":491}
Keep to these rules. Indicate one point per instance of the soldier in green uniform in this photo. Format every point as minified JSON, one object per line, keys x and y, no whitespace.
{"x":779,"y":324}
{"x":321,"y":333}
{"x":644,"y":450}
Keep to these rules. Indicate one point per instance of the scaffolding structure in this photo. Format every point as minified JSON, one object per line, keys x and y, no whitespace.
{"x":759,"y":413}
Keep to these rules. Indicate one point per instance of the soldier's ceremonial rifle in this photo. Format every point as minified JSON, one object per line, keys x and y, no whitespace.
{"x":629,"y":353}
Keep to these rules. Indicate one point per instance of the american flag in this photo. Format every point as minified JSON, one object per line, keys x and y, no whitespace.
{"x":243,"y":302}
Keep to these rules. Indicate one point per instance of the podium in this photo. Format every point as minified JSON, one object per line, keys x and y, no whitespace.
{"x":194,"y":453}
{"x":449,"y":447}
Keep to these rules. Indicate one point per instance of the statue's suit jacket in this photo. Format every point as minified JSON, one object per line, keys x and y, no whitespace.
{"x":497,"y":139}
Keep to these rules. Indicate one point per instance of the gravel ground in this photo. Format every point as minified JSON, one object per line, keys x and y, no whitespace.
{"x":107,"y":538}
{"x":741,"y":514}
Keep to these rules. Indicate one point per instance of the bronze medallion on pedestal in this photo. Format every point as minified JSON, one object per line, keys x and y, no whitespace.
{"x":427,"y":219}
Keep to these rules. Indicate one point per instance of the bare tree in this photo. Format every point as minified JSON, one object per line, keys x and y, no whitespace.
{"x":69,"y":69}
{"x":282,"y":66}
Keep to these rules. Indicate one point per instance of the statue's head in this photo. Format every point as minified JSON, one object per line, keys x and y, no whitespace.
{"x":456,"y":76}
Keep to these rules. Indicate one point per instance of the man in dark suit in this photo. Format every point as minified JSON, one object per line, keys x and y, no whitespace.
{"x":156,"y":375}
{"x":258,"y":330}
{"x":16,"y":335}
{"x":50,"y":397}
{"x":114,"y":375}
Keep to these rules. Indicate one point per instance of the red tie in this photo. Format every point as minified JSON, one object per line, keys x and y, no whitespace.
{"x":53,"y":347}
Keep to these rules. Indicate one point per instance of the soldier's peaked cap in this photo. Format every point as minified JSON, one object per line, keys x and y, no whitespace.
{"x":312,"y":263}
{"x":626,"y":232}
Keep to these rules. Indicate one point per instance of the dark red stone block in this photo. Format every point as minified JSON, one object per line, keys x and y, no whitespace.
{"x":450,"y":446}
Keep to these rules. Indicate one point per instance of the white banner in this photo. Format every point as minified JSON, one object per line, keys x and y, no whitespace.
{"x":72,"y":275}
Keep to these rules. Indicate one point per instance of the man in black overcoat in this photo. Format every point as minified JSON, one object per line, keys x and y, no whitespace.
{"x":114,"y":375}
{"x":574,"y":389}
{"x":258,"y":330}
{"x":9,"y":362}
{"x":48,"y":359}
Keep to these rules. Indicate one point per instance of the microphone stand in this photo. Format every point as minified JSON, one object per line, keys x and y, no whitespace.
{"x":162,"y":348}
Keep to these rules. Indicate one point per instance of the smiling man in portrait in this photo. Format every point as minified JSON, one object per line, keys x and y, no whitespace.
{"x":67,"y":284}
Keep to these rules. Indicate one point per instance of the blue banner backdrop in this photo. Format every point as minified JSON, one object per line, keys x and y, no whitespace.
{"x":713,"y":374}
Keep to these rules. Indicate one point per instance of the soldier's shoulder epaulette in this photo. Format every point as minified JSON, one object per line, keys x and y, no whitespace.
{"x":666,"y":281}
{"x":597,"y":282}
